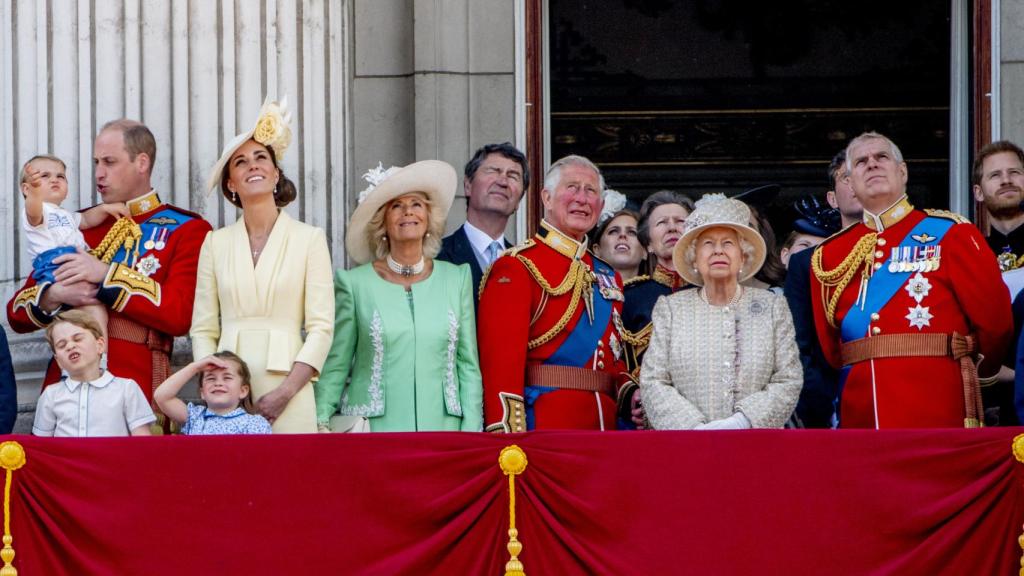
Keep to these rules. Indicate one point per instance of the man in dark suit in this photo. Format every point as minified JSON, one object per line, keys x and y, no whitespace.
{"x":8,"y":387}
{"x":495,"y":179}
{"x":816,"y":408}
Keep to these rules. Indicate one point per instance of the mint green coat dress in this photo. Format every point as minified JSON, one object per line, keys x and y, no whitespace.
{"x":411,"y":356}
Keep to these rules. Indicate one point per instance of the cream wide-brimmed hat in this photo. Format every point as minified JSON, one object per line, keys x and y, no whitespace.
{"x":714,"y":211}
{"x":271,"y":129}
{"x":434,"y":178}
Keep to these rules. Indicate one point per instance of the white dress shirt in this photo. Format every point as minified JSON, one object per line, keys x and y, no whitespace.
{"x":107,"y":406}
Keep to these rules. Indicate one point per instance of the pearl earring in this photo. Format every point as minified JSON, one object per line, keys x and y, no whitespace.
{"x":234,"y":198}
{"x":275,"y":191}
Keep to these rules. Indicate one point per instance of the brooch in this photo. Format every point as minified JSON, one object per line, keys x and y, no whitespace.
{"x":147,"y":266}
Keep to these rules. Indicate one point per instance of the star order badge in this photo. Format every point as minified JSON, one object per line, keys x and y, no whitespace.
{"x":147,"y":266}
{"x":918,"y":287}
{"x":919,"y":316}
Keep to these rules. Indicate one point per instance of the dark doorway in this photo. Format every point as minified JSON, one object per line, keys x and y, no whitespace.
{"x":725,"y":95}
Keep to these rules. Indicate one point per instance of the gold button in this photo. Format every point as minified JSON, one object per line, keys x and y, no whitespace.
{"x":876,"y":330}
{"x":881,"y":242}
{"x":600,"y":353}
{"x":879,"y":254}
{"x":878,"y":265}
{"x":875,"y":316}
{"x":600,"y":365}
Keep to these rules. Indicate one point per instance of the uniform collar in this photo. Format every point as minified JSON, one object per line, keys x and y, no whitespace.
{"x":144,"y":203}
{"x":890,"y":216}
{"x":102,"y":381}
{"x":564,"y":245}
{"x":667,"y":277}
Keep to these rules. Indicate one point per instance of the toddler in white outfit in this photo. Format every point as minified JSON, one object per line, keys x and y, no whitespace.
{"x":52,"y":231}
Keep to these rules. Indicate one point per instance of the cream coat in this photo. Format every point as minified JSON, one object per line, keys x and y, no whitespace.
{"x":260,"y":313}
{"x":708,"y":362}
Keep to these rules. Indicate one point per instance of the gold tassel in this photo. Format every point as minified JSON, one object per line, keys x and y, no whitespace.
{"x":12,"y":457}
{"x":512,"y":461}
{"x":1018,"y":453}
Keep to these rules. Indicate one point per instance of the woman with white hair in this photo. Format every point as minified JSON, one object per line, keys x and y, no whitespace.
{"x":404,"y":356}
{"x":723,"y":356}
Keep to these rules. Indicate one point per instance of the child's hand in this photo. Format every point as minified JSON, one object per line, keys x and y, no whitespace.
{"x":34,"y":180}
{"x":211,"y":362}
{"x":117,"y":210}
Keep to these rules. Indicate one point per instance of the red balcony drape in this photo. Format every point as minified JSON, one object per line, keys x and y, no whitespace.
{"x":744,"y":502}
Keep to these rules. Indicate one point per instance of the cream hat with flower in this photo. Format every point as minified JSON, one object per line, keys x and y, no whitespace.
{"x":272,"y":130}
{"x":717,"y":211}
{"x":434,"y":178}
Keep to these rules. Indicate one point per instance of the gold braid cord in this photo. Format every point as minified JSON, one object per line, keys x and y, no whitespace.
{"x":12,"y":457}
{"x":1018,"y":453}
{"x":125,"y":232}
{"x":861,"y":257}
{"x":512,"y":461}
{"x":576,"y":279}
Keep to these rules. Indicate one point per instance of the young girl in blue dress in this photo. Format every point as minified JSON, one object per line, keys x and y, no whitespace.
{"x":224,"y":387}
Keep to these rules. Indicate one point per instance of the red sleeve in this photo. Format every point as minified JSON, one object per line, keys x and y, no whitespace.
{"x":980,"y":291}
{"x":162,"y":302}
{"x":828,"y":336}
{"x":23,"y":314}
{"x":503,"y":331}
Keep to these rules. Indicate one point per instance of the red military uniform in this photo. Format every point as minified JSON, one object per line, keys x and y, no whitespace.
{"x":149,"y":295}
{"x":545,"y":363}
{"x":930,"y":275}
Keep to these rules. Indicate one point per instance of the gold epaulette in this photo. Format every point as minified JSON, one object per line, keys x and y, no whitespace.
{"x":125,"y":232}
{"x":861,"y":257}
{"x":636,"y":280}
{"x":507,"y":252}
{"x":959,"y":219}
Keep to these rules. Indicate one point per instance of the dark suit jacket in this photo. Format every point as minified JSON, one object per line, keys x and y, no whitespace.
{"x":815,"y":406}
{"x":8,"y":388}
{"x":456,"y":249}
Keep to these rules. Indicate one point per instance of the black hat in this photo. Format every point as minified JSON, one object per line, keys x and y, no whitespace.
{"x":759,"y":197}
{"x":816,"y":218}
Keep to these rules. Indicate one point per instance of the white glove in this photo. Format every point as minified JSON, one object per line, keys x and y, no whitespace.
{"x":735,"y":422}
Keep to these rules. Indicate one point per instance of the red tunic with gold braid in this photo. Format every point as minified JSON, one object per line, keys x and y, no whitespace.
{"x":532,"y":301}
{"x":149,"y":295}
{"x":954,"y":288}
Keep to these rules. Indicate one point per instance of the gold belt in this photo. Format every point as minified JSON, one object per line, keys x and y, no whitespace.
{"x":570,"y":378}
{"x":955,"y":346}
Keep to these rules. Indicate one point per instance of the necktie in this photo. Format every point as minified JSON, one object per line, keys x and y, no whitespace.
{"x":493,"y":250}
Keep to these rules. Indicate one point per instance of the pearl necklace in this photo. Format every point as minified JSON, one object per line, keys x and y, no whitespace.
{"x":402,"y":269}
{"x":732,"y":302}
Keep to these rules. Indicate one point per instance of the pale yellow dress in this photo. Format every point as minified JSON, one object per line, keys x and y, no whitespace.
{"x":260,"y":313}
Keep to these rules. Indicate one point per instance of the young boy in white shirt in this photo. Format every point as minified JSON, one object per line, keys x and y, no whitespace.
{"x":52,"y":231}
{"x":89,"y":401}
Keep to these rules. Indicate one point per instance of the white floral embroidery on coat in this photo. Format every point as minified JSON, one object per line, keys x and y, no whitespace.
{"x":375,"y":390}
{"x":451,"y":390}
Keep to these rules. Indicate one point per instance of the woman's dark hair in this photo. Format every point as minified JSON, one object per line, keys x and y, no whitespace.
{"x":284,"y":193}
{"x":773,"y":272}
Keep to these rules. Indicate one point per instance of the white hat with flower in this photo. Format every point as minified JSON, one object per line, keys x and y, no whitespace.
{"x":435,"y":179}
{"x":271,"y":130}
{"x":717,"y":211}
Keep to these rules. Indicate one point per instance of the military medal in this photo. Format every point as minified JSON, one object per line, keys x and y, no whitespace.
{"x":616,"y":348}
{"x":919,"y":316}
{"x":918,"y":287}
{"x":894,"y":260}
{"x":147,"y":266}
{"x":149,"y":244}
{"x":161,"y":241}
{"x":609,"y":290}
{"x":1007,"y":260}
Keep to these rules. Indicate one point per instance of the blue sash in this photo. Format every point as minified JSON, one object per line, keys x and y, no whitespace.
{"x":883,"y":284}
{"x":167,"y":218}
{"x":578,"y":348}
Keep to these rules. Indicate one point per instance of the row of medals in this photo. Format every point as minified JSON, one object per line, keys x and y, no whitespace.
{"x":915,"y":259}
